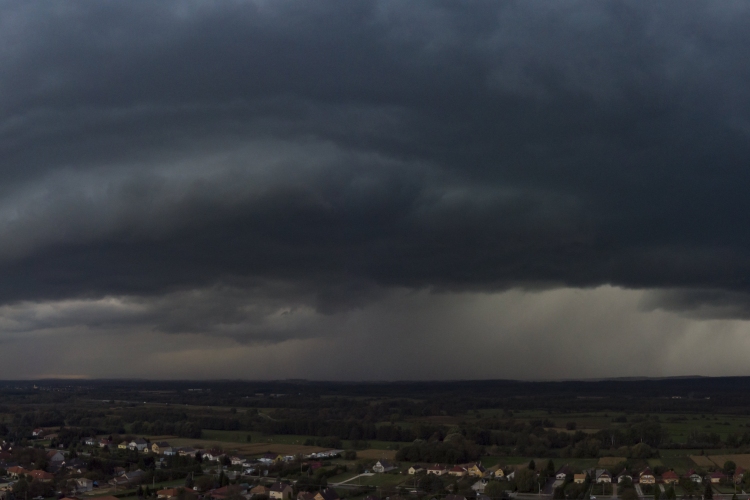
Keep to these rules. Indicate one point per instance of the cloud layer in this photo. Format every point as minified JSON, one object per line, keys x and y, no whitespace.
{"x":244,"y":169}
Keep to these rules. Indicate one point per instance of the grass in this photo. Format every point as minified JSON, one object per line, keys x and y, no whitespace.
{"x":381,"y":480}
{"x":342,"y":477}
{"x":679,"y":464}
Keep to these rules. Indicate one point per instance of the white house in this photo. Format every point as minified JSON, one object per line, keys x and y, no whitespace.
{"x":382,"y":466}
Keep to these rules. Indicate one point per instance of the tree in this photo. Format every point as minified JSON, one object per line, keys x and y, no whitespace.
{"x":532,"y":465}
{"x":708,"y":494}
{"x":550,"y":468}
{"x":657,"y":492}
{"x":249,"y":438}
{"x":526,"y":481}
{"x":139,"y":491}
{"x":670,"y":493}
{"x":432,"y":484}
{"x":729,"y":467}
{"x":629,"y":494}
{"x":494,"y":489}
{"x":189,"y":483}
{"x":557,"y":494}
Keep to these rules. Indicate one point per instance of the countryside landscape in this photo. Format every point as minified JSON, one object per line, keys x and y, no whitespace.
{"x":629,"y":439}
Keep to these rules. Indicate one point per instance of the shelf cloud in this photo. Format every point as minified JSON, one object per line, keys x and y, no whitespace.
{"x":260,"y":172}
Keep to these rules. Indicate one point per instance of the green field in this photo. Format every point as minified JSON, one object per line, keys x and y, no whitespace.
{"x":679,"y":426}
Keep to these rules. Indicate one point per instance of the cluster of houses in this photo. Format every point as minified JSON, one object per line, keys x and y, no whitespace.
{"x":164,"y":448}
{"x":472,"y":469}
{"x":646,"y":476}
{"x":277,"y":491}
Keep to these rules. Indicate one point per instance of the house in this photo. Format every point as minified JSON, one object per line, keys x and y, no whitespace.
{"x":270,"y":458}
{"x":135,"y":477}
{"x":646,"y":477}
{"x":139,"y":444}
{"x":579,"y":478}
{"x":16,"y":472}
{"x":74,"y":464}
{"x":51,"y":436}
{"x":37,"y":432}
{"x":159,"y":447}
{"x":261,"y":489}
{"x":281,"y":491}
{"x":123,"y":446}
{"x":457,"y":471}
{"x":437,"y":469}
{"x":563,"y":472}
{"x":738,"y":473}
{"x":55,"y":457}
{"x":168,"y":451}
{"x":104,"y":442}
{"x":305,"y":495}
{"x":670,"y":477}
{"x":476,"y":470}
{"x":717,"y":477}
{"x":227,"y":491}
{"x":187,"y":451}
{"x":416,"y":469}
{"x":602,"y":476}
{"x":497,"y":472}
{"x":383,"y":466}
{"x":238,"y":461}
{"x":41,"y":476}
{"x":622,"y":476}
{"x":479,"y":485}
{"x":119,"y":471}
{"x":326,"y":494}
{"x":90,"y":441}
{"x":213,"y":455}
{"x":83,"y":485}
{"x":118,"y":481}
{"x":694,"y":476}
{"x":510,"y":475}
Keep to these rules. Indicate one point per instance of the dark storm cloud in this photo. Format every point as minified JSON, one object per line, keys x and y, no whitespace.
{"x":344,"y":148}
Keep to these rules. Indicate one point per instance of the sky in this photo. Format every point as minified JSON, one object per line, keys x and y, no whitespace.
{"x":374,"y":190}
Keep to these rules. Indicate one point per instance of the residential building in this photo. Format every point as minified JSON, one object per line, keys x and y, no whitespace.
{"x":84,"y":485}
{"x":458,"y":471}
{"x":437,"y":469}
{"x":326,"y":494}
{"x":717,"y":477}
{"x":281,"y":491}
{"x":646,"y":477}
{"x":602,"y":476}
{"x":139,"y":444}
{"x":670,"y":477}
{"x":476,"y":470}
{"x":383,"y":466}
{"x":159,"y":447}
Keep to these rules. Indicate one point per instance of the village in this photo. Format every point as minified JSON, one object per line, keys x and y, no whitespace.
{"x":156,"y":469}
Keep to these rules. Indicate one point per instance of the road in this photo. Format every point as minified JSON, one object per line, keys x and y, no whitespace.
{"x":364,"y":474}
